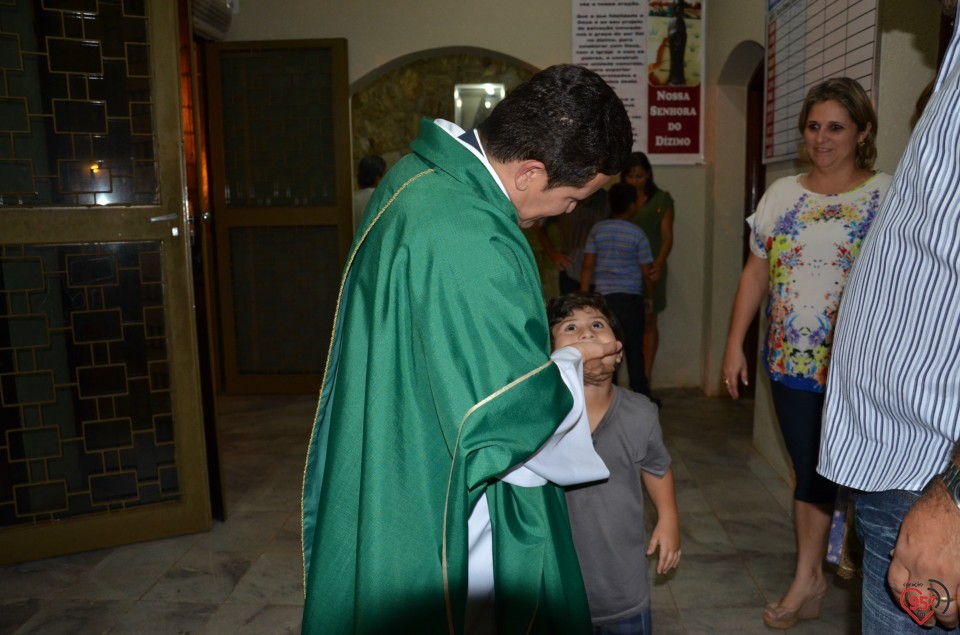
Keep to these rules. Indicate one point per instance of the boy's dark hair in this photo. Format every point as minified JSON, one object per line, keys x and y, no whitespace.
{"x":567,"y":118}
{"x":621,"y":197}
{"x":640,"y":160}
{"x":370,"y":169}
{"x":562,"y":306}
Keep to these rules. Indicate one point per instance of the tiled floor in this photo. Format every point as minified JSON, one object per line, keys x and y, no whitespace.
{"x":244,"y":576}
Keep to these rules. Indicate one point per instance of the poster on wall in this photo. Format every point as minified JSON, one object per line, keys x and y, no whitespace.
{"x":809,"y":41}
{"x":651,"y":52}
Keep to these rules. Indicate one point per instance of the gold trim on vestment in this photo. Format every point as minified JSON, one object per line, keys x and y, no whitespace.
{"x":453,"y":462}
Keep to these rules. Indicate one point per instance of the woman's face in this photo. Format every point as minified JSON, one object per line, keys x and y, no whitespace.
{"x":831,"y":136}
{"x":637,"y":177}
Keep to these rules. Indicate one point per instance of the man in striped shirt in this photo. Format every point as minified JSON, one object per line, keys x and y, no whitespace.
{"x":892,"y":414}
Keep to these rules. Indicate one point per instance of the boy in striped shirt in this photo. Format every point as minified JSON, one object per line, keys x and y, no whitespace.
{"x":617,"y":259}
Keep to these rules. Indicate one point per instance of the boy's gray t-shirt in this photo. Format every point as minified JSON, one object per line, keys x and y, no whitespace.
{"x":607,"y":516}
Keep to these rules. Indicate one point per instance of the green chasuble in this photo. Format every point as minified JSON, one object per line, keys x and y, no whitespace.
{"x":438,"y":380}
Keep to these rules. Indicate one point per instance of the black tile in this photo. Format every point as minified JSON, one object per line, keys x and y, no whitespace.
{"x":72,"y":115}
{"x":113,"y":487}
{"x":107,"y":435}
{"x":91,"y":270}
{"x":46,"y":497}
{"x":34,"y":443}
{"x":74,"y":56}
{"x":97,"y":326}
{"x":102,"y":381}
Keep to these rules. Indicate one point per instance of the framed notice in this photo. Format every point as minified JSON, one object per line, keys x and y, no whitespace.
{"x":651,"y":52}
{"x":809,"y":41}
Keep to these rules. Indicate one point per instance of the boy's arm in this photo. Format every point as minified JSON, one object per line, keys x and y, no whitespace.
{"x":666,"y":533}
{"x":586,"y":270}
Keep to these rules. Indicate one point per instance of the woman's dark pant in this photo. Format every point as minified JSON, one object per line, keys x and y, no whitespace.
{"x":630,"y":311}
{"x":799,"y":413}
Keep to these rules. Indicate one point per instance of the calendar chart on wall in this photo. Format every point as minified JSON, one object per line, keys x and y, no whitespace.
{"x":809,"y":41}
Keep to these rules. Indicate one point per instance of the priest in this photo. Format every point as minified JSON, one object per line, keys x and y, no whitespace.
{"x":432,"y":498}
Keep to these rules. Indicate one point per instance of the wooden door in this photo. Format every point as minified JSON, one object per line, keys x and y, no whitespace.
{"x":280,"y":157}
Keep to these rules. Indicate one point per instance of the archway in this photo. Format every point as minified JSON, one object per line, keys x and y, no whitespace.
{"x":725,"y":224}
{"x":388,"y":103}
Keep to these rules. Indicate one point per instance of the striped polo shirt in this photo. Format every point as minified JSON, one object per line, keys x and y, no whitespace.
{"x":621,"y":248}
{"x":893,"y":396}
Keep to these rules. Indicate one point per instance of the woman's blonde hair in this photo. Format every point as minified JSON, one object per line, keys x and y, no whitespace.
{"x":849,"y":94}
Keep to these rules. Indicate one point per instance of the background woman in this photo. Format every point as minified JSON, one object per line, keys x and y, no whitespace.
{"x":806,"y":233}
{"x":655,"y":217}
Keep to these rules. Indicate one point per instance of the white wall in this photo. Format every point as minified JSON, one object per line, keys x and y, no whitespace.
{"x":379,"y":31}
{"x":909,"y":33}
{"x":704,"y":265}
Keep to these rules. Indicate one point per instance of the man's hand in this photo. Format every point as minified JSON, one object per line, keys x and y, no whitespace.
{"x":599,"y":359}
{"x":928,"y":548}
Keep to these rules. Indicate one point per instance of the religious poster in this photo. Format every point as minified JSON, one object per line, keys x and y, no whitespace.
{"x":651,"y":53}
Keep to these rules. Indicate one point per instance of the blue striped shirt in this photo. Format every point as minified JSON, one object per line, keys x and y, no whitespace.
{"x":893,"y":396}
{"x":621,"y":248}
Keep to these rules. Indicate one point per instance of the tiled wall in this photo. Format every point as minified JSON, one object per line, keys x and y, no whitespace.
{"x":86,"y":424}
{"x":76,"y":123}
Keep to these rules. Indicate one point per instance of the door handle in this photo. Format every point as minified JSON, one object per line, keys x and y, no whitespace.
{"x":164,"y":217}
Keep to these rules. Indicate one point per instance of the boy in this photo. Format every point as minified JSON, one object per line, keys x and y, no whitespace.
{"x":607,"y":516}
{"x":617,"y":259}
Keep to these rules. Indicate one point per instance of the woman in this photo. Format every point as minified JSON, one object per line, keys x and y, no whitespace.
{"x":655,"y":217}
{"x":806,"y":233}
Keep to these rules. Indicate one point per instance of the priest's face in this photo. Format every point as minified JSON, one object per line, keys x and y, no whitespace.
{"x":540,"y":202}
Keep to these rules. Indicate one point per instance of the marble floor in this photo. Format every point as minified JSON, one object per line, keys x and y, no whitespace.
{"x":244,"y":575}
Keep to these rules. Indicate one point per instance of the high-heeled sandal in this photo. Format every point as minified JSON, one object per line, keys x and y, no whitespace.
{"x":775,"y":616}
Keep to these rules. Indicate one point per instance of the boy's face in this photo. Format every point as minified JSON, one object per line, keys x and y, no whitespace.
{"x":586,"y":324}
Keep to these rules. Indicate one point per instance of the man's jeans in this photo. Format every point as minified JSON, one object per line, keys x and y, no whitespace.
{"x":878,"y":517}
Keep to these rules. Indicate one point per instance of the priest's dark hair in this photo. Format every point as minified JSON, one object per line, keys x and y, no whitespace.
{"x":567,"y":118}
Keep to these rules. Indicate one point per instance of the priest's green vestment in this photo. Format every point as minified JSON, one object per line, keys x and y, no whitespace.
{"x":438,"y":380}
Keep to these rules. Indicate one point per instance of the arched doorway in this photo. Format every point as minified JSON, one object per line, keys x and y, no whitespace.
{"x":387,"y":104}
{"x":725,"y":228}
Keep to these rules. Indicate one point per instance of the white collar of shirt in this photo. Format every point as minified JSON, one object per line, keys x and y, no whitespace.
{"x":455,"y":131}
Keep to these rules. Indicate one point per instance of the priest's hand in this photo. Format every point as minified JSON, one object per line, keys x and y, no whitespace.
{"x":599,"y":359}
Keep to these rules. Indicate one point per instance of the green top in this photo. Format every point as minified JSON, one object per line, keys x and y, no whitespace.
{"x":648,"y":218}
{"x":438,"y":380}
